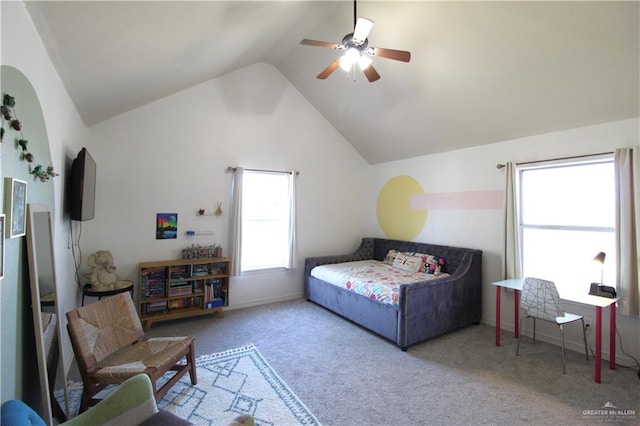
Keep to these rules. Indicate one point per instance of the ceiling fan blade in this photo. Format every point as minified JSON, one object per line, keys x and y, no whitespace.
{"x":362,"y":29}
{"x":319,"y":43}
{"x":398,"y":55}
{"x":329,"y":70}
{"x":371,"y":74}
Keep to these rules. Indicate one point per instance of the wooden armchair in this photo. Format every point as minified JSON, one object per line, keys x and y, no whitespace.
{"x":109,"y":346}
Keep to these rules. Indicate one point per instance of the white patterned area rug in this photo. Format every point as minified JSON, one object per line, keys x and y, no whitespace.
{"x":231,"y":383}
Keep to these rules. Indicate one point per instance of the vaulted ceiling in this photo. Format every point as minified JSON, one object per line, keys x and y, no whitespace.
{"x":480,"y":72}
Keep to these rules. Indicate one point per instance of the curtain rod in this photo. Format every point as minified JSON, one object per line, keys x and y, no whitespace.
{"x":500,"y":165}
{"x":233,"y":169}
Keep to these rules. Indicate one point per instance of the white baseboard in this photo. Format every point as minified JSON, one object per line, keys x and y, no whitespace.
{"x":265,"y":301}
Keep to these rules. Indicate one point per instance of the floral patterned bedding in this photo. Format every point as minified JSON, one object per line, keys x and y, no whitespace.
{"x":376,"y":280}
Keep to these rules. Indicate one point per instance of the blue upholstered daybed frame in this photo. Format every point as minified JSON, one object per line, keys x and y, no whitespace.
{"x":426,"y":309}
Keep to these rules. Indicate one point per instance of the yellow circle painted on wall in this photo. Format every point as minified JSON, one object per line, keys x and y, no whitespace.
{"x":395,"y":216}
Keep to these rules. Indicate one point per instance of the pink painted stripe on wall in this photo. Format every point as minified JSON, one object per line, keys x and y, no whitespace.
{"x":467,"y":200}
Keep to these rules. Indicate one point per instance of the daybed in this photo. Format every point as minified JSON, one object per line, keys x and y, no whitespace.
{"x":419,"y":310}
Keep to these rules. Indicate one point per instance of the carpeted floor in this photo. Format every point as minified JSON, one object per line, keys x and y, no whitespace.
{"x":346,"y":375}
{"x":231,"y":383}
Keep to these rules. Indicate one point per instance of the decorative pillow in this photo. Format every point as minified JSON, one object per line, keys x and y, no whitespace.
{"x":390,"y":257}
{"x":407,"y":263}
{"x":430,"y":264}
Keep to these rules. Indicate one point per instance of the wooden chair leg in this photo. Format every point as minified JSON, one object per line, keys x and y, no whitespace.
{"x":191,"y":360}
{"x":85,"y":399}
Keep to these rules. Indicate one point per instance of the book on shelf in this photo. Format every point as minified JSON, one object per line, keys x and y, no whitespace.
{"x":189,"y":302}
{"x":200,"y":269}
{"x":215,"y":289}
{"x":180,"y":272}
{"x":146,"y":282}
{"x":153,"y":289}
{"x":198,"y":286}
{"x":180,"y":291}
{"x":213,"y":303}
{"x":154,"y":307}
{"x":158,"y":273}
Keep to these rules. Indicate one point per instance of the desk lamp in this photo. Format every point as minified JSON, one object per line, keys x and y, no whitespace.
{"x":599,"y":289}
{"x":600,"y":259}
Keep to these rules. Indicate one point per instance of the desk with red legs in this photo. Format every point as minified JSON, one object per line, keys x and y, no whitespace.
{"x":587,"y":299}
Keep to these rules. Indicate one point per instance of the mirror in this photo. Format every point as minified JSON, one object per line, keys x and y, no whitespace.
{"x":46,"y":318}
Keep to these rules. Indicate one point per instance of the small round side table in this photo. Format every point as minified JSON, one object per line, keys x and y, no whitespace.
{"x":86,"y":291}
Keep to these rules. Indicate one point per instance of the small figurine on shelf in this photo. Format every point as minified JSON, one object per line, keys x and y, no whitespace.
{"x":218,"y":211}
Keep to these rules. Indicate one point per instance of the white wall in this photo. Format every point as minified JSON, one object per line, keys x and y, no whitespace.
{"x":474,"y":169}
{"x":23,"y":49}
{"x":171,"y":157}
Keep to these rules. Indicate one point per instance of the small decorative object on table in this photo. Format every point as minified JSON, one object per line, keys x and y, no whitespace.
{"x":103,"y":276}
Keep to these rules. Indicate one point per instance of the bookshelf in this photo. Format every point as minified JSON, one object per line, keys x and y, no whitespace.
{"x":172,"y":289}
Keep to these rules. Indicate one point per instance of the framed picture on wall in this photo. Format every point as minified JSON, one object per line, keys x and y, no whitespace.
{"x":15,"y":191}
{"x":2,"y":234}
{"x":166,"y":226}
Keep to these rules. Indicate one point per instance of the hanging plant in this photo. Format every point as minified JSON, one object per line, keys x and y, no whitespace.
{"x":7,"y":110}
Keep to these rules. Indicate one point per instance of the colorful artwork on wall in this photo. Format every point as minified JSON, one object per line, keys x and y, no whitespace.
{"x":397,"y":219}
{"x":166,"y":226}
{"x":464,"y":200}
{"x":403,"y":206}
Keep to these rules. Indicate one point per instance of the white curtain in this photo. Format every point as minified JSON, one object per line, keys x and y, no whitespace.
{"x":627,"y":229}
{"x":511,"y":267}
{"x":293,"y":258}
{"x":236,"y":222}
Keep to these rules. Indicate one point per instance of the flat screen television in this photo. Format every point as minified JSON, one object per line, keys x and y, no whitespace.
{"x":82,"y":191}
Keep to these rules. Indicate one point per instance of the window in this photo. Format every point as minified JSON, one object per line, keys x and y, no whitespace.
{"x":566,"y":217}
{"x":267,"y":220}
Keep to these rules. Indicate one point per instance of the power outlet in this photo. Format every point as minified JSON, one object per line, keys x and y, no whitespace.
{"x":588,"y":322}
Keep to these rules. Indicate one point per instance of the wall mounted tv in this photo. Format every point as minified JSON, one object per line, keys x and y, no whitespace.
{"x":82,"y":191}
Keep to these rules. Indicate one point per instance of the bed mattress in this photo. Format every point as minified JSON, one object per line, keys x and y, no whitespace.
{"x":371,"y":278}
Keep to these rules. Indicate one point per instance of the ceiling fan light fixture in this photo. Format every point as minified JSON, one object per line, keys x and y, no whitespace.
{"x":364,"y":62}
{"x":362,"y":30}
{"x":350,"y":57}
{"x":345,"y":63}
{"x":352,"y":54}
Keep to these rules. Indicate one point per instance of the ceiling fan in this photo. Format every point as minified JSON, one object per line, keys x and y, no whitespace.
{"x":357,"y":50}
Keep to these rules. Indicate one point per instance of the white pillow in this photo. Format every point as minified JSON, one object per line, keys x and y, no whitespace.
{"x":407,"y":263}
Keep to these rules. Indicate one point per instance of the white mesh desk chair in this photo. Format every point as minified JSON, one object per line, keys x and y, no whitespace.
{"x":540,"y":300}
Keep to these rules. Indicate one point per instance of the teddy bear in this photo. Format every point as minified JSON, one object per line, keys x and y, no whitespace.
{"x":103,"y":276}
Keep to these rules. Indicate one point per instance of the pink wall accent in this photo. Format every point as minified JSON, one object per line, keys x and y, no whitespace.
{"x":467,"y":200}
